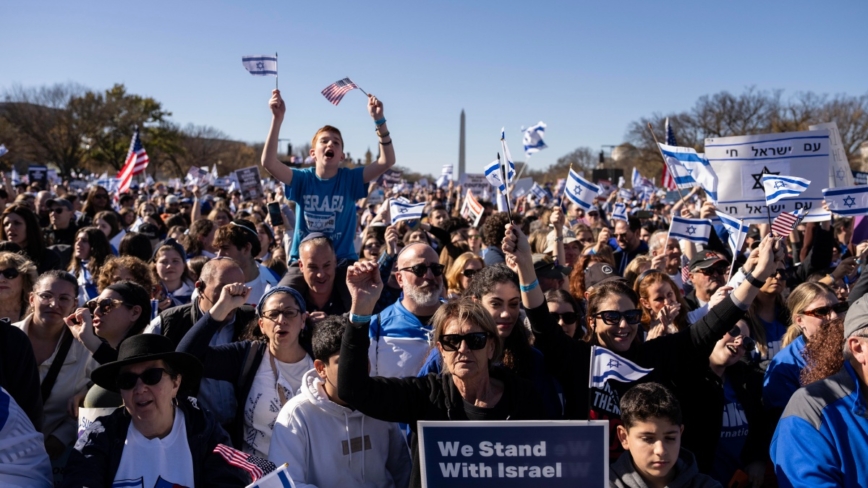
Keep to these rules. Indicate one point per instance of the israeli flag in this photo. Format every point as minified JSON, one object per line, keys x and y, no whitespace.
{"x":690,"y":169}
{"x":850,"y":200}
{"x":581,"y":191}
{"x":405,"y":211}
{"x":780,"y":187}
{"x":510,"y":168}
{"x":260,"y":65}
{"x":737,"y":231}
{"x":637,"y":178}
{"x":493,"y":175}
{"x":539,"y":192}
{"x":606,"y":365}
{"x":279,"y":478}
{"x":619,"y":212}
{"x":447,"y":170}
{"x":560,"y":185}
{"x":533,"y":139}
{"x":693,"y":230}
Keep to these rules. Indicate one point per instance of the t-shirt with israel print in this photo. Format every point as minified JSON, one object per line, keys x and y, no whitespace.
{"x":327,"y":206}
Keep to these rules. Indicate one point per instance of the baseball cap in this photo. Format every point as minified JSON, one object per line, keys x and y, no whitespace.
{"x":598,"y":273}
{"x":148,"y":230}
{"x":551,"y":242}
{"x":545,"y":267}
{"x":857,"y":317}
{"x":705,"y":259}
{"x":171,"y":199}
{"x":59,"y":201}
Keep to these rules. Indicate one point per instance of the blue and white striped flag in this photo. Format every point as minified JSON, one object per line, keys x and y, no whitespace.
{"x":279,"y":478}
{"x":510,"y":169}
{"x":780,"y":187}
{"x":850,"y":200}
{"x":494,"y":176}
{"x":690,"y":168}
{"x":693,"y":230}
{"x":606,"y":365}
{"x":737,"y":231}
{"x":260,"y":65}
{"x":619,"y":212}
{"x":405,"y":211}
{"x":539,"y":192}
{"x":533,"y":139}
{"x":637,"y":178}
{"x":581,"y":191}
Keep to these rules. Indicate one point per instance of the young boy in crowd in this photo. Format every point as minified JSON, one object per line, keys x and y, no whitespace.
{"x":327,"y":443}
{"x":651,"y":434}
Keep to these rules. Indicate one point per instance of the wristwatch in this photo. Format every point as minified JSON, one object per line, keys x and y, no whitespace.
{"x":756,"y":282}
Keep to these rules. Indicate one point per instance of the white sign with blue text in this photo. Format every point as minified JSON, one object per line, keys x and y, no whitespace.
{"x":503,"y":454}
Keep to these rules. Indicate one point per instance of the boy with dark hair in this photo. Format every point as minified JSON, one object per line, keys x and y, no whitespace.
{"x":651,"y":434}
{"x":327,"y":443}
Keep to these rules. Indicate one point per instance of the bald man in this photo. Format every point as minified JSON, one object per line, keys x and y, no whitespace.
{"x":399,"y":334}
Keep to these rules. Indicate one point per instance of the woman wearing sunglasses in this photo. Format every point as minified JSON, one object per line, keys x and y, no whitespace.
{"x":613,"y":322}
{"x":728,"y":388}
{"x":460,"y":273}
{"x":265,"y":381}
{"x":812,"y":306}
{"x":567,"y":312}
{"x":21,"y":226}
{"x":470,"y":388}
{"x":768,"y":316}
{"x":160,"y":437}
{"x":90,"y":251}
{"x":17,"y":276}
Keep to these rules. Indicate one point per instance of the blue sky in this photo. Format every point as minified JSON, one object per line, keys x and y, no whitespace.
{"x":587,"y":69}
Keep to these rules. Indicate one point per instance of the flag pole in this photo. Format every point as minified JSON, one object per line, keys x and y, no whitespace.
{"x":506,"y":190}
{"x":360,"y":88}
{"x":651,"y":130}
{"x":590,"y":381}
{"x":275,"y":70}
{"x":734,"y":250}
{"x":769,"y":213}
{"x":523,"y":166}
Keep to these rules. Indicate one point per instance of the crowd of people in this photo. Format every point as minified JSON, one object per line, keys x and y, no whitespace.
{"x":307,"y":328}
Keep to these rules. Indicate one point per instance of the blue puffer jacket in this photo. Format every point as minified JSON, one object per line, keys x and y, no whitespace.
{"x":822,"y":438}
{"x":399,"y":342}
{"x":97,"y":454}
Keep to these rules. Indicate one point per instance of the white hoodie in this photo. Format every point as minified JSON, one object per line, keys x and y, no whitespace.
{"x":313,"y":435}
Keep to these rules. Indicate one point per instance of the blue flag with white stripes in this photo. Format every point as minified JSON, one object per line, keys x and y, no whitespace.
{"x":777,"y":187}
{"x":693,"y":230}
{"x":510,"y":168}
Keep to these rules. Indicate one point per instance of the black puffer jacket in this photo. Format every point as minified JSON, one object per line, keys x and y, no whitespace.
{"x":97,"y":454}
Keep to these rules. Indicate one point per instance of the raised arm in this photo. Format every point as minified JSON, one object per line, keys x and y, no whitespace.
{"x":269,"y":152}
{"x":387,"y":151}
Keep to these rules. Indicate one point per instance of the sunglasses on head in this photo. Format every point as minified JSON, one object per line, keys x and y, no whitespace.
{"x":10,"y":273}
{"x":567,"y":317}
{"x":468,"y":273}
{"x":150,"y":377}
{"x":748,"y":343}
{"x":825,"y":312}
{"x":421,"y":269}
{"x":613,"y":317}
{"x":474,"y":341}
{"x":104,"y":305}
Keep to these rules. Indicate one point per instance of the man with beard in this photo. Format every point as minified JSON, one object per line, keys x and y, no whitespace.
{"x":399,"y":334}
{"x":708,"y":271}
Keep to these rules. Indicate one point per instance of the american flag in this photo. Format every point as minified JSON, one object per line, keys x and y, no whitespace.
{"x":668,"y":180}
{"x":257,"y":467}
{"x":336,"y":91}
{"x":137,"y":162}
{"x":786,"y":222}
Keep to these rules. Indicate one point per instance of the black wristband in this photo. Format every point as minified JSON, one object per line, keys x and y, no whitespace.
{"x":755,"y":282}
{"x":385,"y":143}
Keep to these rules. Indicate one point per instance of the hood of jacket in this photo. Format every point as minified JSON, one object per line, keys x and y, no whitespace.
{"x":622,"y":473}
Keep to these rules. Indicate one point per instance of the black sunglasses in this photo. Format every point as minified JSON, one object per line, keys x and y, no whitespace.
{"x":824,"y":312}
{"x":150,"y":377}
{"x":613,"y":317}
{"x":468,"y":273}
{"x":104,"y":305}
{"x":474,"y":341}
{"x":749,"y":343}
{"x":567,"y":317}
{"x":421,"y":270}
{"x":720,"y":270}
{"x":10,"y":273}
{"x":58,"y":210}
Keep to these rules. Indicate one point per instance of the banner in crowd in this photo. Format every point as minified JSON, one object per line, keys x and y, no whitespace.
{"x":504,"y":454}
{"x":839,"y":167}
{"x":390,"y":177}
{"x":37,"y":173}
{"x":249,"y":182}
{"x":471,"y":209}
{"x":196,"y":176}
{"x":741,"y":161}
{"x":860,"y":178}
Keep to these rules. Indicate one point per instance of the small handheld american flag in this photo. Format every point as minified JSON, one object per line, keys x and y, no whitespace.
{"x":256,"y":466}
{"x":786,"y":222}
{"x":335,"y":92}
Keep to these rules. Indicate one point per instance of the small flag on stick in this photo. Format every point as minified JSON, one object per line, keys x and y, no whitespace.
{"x":256,"y":467}
{"x":335,"y":92}
{"x":260,"y":65}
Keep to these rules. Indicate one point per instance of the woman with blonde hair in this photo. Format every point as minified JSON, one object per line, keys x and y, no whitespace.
{"x":812,"y":307}
{"x":17,"y":277}
{"x":462,"y":270}
{"x":664,"y":310}
{"x":639,"y":264}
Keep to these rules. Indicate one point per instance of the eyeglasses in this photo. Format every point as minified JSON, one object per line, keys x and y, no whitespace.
{"x":593,"y":214}
{"x":58,"y":210}
{"x":10,"y":273}
{"x":468,"y":273}
{"x":613,"y":317}
{"x":104,"y":305}
{"x":474,"y":341}
{"x":421,"y":269}
{"x":825,"y":312}
{"x":567,"y":317}
{"x":274,"y":315}
{"x":46,"y":298}
{"x":748,"y":343}
{"x":150,"y":377}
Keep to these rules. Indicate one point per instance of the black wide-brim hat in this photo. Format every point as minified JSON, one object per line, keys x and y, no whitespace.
{"x":150,"y":347}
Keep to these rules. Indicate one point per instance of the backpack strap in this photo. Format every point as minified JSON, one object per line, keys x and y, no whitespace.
{"x":54,"y":369}
{"x":255,"y":346}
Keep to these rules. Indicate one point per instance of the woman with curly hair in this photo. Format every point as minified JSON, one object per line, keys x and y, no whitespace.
{"x":126,"y":268}
{"x":17,"y":277}
{"x":462,"y":270}
{"x":823,"y":355}
{"x":89,"y":252}
{"x":21,"y":227}
{"x":664,"y":310}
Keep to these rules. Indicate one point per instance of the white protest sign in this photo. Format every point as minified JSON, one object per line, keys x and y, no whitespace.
{"x":376,"y":197}
{"x":475,"y":182}
{"x":249,"y":182}
{"x":839,"y":168}
{"x":740,"y":162}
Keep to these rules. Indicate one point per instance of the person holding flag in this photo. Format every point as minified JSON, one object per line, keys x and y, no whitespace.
{"x":613,"y":321}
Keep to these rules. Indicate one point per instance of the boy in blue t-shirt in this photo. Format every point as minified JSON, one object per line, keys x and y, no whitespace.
{"x":326,"y":195}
